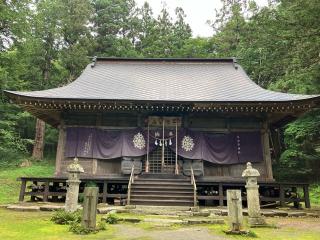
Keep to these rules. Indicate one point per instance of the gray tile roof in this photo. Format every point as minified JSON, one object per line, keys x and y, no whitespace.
{"x":165,"y":80}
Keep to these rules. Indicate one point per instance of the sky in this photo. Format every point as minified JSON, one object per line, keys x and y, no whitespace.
{"x":197,"y":11}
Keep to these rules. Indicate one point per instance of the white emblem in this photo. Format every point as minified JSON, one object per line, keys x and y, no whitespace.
{"x":87,"y":145}
{"x":138,"y":141}
{"x":187,"y":143}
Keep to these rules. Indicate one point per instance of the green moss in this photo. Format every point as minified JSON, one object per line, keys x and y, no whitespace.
{"x":37,"y":225}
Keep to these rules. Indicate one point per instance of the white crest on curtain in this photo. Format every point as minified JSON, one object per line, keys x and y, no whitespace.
{"x":187,"y":143}
{"x":139,"y":141}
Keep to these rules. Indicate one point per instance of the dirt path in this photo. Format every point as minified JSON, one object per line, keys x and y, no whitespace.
{"x":190,"y":233}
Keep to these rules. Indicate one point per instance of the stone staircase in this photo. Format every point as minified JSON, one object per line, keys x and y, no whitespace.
{"x":162,"y":190}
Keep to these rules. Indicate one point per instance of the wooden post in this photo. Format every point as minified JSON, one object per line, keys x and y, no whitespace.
{"x":60,"y":148}
{"x":220,"y":194}
{"x":55,"y":188}
{"x":306,"y":196}
{"x":94,"y":166}
{"x":176,"y":163}
{"x":22,"y":190}
{"x":266,"y":151}
{"x":90,"y":207}
{"x":282,"y":197}
{"x":46,"y":191}
{"x":105,"y":191}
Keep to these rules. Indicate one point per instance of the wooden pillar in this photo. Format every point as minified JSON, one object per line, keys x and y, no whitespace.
{"x":22,"y":190}
{"x":105,"y":191}
{"x":220,"y":194}
{"x":46,"y":191}
{"x":282,"y":196}
{"x":266,"y":151}
{"x":60,"y":148}
{"x":94,"y":166}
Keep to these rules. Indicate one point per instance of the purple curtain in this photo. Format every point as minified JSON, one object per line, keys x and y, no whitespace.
{"x":249,"y":147}
{"x":230,"y":148}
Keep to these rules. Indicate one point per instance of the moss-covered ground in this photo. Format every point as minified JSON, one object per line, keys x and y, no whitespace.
{"x":37,"y":225}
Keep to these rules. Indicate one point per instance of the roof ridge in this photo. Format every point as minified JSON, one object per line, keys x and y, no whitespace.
{"x":121,"y":59}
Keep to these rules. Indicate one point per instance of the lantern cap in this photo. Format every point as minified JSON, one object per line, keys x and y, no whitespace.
{"x":75,"y":167}
{"x":250,"y":171}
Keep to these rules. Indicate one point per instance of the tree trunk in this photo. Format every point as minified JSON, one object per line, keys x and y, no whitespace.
{"x":38,"y":146}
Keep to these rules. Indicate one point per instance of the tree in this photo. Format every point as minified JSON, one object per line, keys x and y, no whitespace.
{"x":55,"y":50}
{"x":76,"y":36}
{"x":115,"y":24}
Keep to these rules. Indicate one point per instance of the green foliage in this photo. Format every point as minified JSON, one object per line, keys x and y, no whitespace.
{"x":302,"y":154}
{"x":315,"y":194}
{"x":251,"y":234}
{"x":66,"y":218}
{"x":112,"y":218}
{"x":77,"y":228}
{"x":278,"y":46}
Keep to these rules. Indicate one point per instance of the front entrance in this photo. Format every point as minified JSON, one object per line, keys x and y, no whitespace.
{"x":162,"y":132}
{"x":162,"y":164}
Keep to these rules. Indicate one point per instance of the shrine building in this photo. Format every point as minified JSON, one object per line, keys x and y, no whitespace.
{"x":164,"y":122}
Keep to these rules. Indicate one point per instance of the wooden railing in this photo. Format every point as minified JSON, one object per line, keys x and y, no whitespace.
{"x":131,"y":180}
{"x":193,"y":182}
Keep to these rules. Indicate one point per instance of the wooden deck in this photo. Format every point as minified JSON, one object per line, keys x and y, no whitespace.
{"x":113,"y":189}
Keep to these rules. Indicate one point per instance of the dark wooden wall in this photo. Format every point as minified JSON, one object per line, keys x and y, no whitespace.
{"x":217,"y":122}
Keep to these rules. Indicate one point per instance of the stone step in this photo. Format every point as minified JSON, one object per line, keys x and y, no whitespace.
{"x":165,"y":180}
{"x":162,"y":202}
{"x":160,"y":197}
{"x":161,"y":187}
{"x":167,"y":183}
{"x":159,"y":176}
{"x":165,"y":191}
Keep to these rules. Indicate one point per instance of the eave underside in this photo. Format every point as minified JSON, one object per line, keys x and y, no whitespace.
{"x":278,"y":113}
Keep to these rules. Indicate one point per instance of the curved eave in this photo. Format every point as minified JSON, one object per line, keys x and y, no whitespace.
{"x":314,"y":100}
{"x":49,"y":109}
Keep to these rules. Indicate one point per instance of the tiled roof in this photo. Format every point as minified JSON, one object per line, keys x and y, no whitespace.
{"x":180,"y":80}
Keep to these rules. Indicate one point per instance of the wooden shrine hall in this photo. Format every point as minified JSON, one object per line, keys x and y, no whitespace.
{"x":165,"y":131}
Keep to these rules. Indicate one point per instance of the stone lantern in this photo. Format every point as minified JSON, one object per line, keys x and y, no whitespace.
{"x":253,"y":201}
{"x":73,"y":182}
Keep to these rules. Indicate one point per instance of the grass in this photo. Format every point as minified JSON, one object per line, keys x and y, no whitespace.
{"x":10,"y":187}
{"x":37,"y":225}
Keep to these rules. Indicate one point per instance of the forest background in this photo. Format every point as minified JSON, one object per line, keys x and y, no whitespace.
{"x":47,"y":43}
